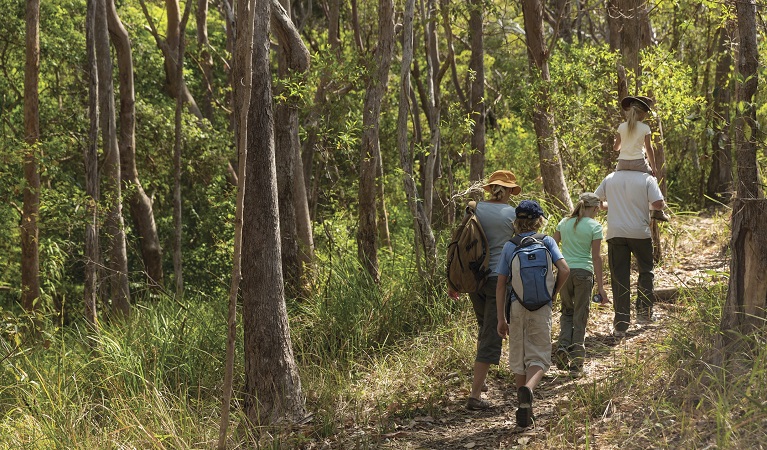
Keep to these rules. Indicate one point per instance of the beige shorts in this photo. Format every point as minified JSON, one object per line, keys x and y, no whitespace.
{"x":639,"y":165}
{"x":529,"y":338}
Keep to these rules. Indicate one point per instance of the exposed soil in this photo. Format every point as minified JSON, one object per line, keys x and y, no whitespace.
{"x":694,"y":256}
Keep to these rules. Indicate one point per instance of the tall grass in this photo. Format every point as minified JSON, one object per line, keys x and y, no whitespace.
{"x":673,"y":394}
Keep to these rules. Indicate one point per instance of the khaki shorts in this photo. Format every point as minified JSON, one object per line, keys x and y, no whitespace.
{"x":529,"y":338}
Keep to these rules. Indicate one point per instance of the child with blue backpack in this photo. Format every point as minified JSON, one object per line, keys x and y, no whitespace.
{"x":527,"y":310}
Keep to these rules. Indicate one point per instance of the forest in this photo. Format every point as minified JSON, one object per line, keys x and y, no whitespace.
{"x":226,"y":220}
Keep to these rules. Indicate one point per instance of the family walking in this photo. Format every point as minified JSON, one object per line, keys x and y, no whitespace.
{"x":521,"y":273}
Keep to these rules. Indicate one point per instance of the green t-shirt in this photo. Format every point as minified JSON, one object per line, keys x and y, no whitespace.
{"x":576,"y":241}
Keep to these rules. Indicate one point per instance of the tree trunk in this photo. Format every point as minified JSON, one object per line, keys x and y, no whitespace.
{"x":630,"y":40}
{"x":720,"y":180}
{"x":477,"y":102}
{"x":91,"y":162}
{"x":206,"y":60}
{"x":423,"y":231}
{"x":375,"y":90}
{"x":292,"y":57}
{"x":139,"y":203}
{"x":242,"y":61}
{"x":113,"y":227}
{"x":30,"y":213}
{"x":432,"y":104}
{"x":272,"y":386}
{"x":548,"y":148}
{"x":744,"y":310}
{"x":178,"y":266}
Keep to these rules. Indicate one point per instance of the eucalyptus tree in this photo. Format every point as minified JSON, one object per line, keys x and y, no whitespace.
{"x":477,"y":105}
{"x":138,"y":201}
{"x":720,"y":179}
{"x":90,"y":160}
{"x":745,"y":309}
{"x":292,"y":60}
{"x":548,"y":147}
{"x":424,"y":237}
{"x":376,"y":85}
{"x":30,"y":248}
{"x":114,"y":229}
{"x":272,"y":384}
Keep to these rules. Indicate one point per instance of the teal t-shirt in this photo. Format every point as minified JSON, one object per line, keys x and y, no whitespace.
{"x":576,"y":241}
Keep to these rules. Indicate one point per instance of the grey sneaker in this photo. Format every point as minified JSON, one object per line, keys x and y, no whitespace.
{"x":561,"y":359}
{"x":619,"y":334}
{"x":477,"y":404}
{"x":645,"y":319}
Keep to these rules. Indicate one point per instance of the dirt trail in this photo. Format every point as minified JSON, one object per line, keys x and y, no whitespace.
{"x":691,"y":260}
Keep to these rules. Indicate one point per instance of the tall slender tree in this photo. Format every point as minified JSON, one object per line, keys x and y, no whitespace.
{"x":272,"y":385}
{"x":424,"y":236}
{"x":548,"y":147}
{"x":477,"y":98}
{"x":292,"y":59}
{"x":114,"y":226}
{"x":745,"y":309}
{"x":370,"y":149}
{"x":30,"y":250}
{"x":90,"y":159}
{"x":139,"y":203}
{"x":720,"y":180}
{"x":242,"y":60}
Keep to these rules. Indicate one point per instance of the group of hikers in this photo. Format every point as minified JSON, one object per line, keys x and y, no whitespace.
{"x":631,"y":196}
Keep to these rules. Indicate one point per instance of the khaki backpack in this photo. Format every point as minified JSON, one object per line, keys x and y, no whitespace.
{"x":468,"y":255}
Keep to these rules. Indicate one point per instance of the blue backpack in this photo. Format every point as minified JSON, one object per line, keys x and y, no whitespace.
{"x":531,"y":272}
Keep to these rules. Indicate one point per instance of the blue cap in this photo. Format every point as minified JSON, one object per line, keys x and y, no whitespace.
{"x":529,"y":209}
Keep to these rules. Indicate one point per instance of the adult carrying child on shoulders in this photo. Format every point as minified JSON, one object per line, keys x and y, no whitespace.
{"x":524,"y":315}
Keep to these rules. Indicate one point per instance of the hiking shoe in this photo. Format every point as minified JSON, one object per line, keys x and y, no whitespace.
{"x":659,"y":215}
{"x":644,"y":319}
{"x":576,"y":371}
{"x":477,"y":404}
{"x":619,"y":334}
{"x":484,"y":387}
{"x":525,"y":409}
{"x":561,"y":359}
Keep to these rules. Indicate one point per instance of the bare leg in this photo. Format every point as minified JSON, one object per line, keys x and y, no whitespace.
{"x":480,"y":375}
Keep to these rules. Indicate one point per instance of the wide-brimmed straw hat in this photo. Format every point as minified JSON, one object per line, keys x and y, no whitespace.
{"x":643,"y":102}
{"x":590,"y":199}
{"x":503,"y":178}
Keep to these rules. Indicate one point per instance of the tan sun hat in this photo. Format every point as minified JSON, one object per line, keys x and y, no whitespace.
{"x":590,"y":199}
{"x":503,"y":178}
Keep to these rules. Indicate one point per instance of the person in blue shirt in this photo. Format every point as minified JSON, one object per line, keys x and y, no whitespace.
{"x":529,"y":332}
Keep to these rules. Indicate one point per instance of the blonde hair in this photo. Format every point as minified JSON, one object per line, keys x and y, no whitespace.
{"x":527,"y":225}
{"x":579,"y":212}
{"x":634,"y":114}
{"x":497,"y":191}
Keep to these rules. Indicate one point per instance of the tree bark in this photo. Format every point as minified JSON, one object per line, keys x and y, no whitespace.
{"x":242,"y":72}
{"x":206,"y":60}
{"x":113,"y":227}
{"x":548,"y":147}
{"x":745,"y":308}
{"x":477,"y":102}
{"x":139,"y":203}
{"x":178,"y":266}
{"x":90,"y":160}
{"x":292,"y":56}
{"x":272,"y":385}
{"x":423,"y":231}
{"x":30,"y":251}
{"x":375,"y":90}
{"x":720,"y":180}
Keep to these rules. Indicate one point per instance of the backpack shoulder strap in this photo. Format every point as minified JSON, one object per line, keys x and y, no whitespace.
{"x":517,"y":239}
{"x":471,"y":207}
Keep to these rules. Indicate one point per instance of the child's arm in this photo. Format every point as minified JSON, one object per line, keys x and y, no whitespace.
{"x":500,"y":305}
{"x":617,"y":142}
{"x":650,"y":153}
{"x":596,"y":258}
{"x":563,"y":271}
